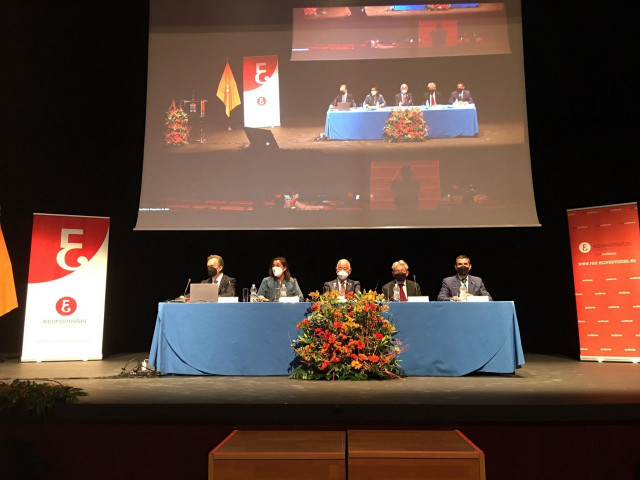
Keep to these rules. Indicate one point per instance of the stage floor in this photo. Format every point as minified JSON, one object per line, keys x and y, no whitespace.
{"x":546,"y":389}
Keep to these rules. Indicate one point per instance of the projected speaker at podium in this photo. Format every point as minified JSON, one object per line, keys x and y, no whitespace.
{"x":196,"y":111}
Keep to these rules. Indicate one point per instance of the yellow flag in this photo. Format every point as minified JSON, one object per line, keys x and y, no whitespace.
{"x":8,"y":300}
{"x":228,"y":90}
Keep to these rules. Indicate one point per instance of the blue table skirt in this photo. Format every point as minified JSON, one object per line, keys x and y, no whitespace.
{"x":444,"y":121}
{"x":443,"y":339}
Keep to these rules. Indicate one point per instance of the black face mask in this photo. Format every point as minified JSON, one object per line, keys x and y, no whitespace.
{"x":213,"y":272}
{"x":463,"y":271}
{"x":400,"y":277}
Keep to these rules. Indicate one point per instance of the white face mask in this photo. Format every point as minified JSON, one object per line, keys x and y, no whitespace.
{"x":404,"y":91}
{"x":342,"y":275}
{"x":374,"y":93}
{"x":277,"y":271}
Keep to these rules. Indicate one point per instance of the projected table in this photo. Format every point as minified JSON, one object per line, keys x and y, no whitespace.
{"x":444,"y":338}
{"x":445,"y":121}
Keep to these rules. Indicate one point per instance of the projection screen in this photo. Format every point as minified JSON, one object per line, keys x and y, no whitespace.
{"x":246,"y":126}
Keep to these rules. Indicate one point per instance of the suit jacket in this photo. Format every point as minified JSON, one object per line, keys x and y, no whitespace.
{"x":427,"y":95}
{"x":408,"y":99}
{"x":227,"y":286}
{"x":413,"y":289}
{"x":451,"y":287}
{"x":466,"y":96}
{"x":350,"y":99}
{"x":351,"y":286}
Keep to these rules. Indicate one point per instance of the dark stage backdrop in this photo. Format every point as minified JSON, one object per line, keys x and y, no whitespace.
{"x":73,"y":132}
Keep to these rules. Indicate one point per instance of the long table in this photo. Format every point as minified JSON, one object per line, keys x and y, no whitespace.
{"x":443,"y":338}
{"x":444,"y":121}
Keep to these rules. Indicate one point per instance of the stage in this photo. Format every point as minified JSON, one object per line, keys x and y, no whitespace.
{"x":546,"y":389}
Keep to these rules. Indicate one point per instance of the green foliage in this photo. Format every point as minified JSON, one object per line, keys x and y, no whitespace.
{"x":36,"y":397}
{"x":347,"y":338}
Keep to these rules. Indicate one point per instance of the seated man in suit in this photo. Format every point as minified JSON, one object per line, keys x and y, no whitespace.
{"x":461,"y":95}
{"x":451,"y":285}
{"x":432,"y":97}
{"x":226,"y":284}
{"x":405,"y":97}
{"x":343,"y":283}
{"x":400,"y":271}
{"x":343,"y":96}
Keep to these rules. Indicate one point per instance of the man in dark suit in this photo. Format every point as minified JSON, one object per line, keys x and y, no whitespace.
{"x":407,"y":288}
{"x":433,"y":96}
{"x":226,"y":284}
{"x":344,"y":96}
{"x":405,"y":97}
{"x":342,"y":283}
{"x":461,"y":95}
{"x":451,"y":285}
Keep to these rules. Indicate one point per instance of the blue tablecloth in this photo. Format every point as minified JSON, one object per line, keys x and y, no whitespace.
{"x":444,"y":121}
{"x":443,"y":338}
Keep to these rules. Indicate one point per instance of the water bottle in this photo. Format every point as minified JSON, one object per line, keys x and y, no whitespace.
{"x":396,"y":293}
{"x":283,"y":290}
{"x":253,"y":295}
{"x":462,"y":296}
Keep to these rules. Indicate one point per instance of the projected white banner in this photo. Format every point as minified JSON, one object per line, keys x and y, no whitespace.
{"x":261,"y":96}
{"x":66,"y":294}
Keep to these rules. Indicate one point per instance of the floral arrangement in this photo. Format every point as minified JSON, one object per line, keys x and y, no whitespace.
{"x":348,"y":339}
{"x":177,"y":122}
{"x":405,"y":125}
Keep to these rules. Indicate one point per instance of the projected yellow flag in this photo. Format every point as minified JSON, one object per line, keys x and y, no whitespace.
{"x":228,"y":90}
{"x":8,"y":300}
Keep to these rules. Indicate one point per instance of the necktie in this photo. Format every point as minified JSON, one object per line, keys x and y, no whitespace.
{"x":344,"y":98}
{"x":433,"y":99}
{"x":464,"y":282}
{"x":403,"y":297}
{"x":342,"y":290}
{"x":461,"y":95}
{"x":403,"y":99}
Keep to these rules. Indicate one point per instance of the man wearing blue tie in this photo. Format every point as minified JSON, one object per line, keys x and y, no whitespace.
{"x":451,"y":285}
{"x":461,"y":95}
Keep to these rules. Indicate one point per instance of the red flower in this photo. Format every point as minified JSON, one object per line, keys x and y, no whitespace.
{"x":374,"y":358}
{"x":379,"y":336}
{"x":337,"y":325}
{"x":315,"y":306}
{"x":350,"y":314}
{"x":324,"y":366}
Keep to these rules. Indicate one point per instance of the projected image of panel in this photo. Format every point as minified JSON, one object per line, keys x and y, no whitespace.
{"x":357,"y":142}
{"x":399,"y":31}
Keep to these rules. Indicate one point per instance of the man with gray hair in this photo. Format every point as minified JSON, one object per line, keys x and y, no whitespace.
{"x":407,"y":288}
{"x":342,"y":283}
{"x":226,"y":284}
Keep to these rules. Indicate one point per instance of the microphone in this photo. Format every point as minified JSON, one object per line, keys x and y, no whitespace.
{"x":376,"y":289}
{"x":186,"y":288}
{"x":414,"y":279}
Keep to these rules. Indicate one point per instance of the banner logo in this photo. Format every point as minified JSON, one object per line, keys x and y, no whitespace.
{"x":584,"y":247}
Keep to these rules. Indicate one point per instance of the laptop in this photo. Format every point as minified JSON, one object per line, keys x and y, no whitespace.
{"x":343,"y":106}
{"x":203,"y":292}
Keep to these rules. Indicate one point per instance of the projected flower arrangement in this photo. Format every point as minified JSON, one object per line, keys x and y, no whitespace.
{"x":348,"y":339}
{"x":177,"y":123}
{"x":405,"y":125}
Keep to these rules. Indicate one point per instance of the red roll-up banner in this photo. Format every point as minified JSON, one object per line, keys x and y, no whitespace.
{"x":605,"y":250}
{"x":66,"y":294}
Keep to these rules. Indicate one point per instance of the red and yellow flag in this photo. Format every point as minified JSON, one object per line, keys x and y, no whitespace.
{"x":228,"y":90}
{"x":8,"y":299}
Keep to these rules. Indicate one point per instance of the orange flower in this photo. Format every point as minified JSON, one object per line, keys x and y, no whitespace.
{"x":362,"y":357}
{"x":374,"y":358}
{"x":324,"y":366}
{"x":356,"y":364}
